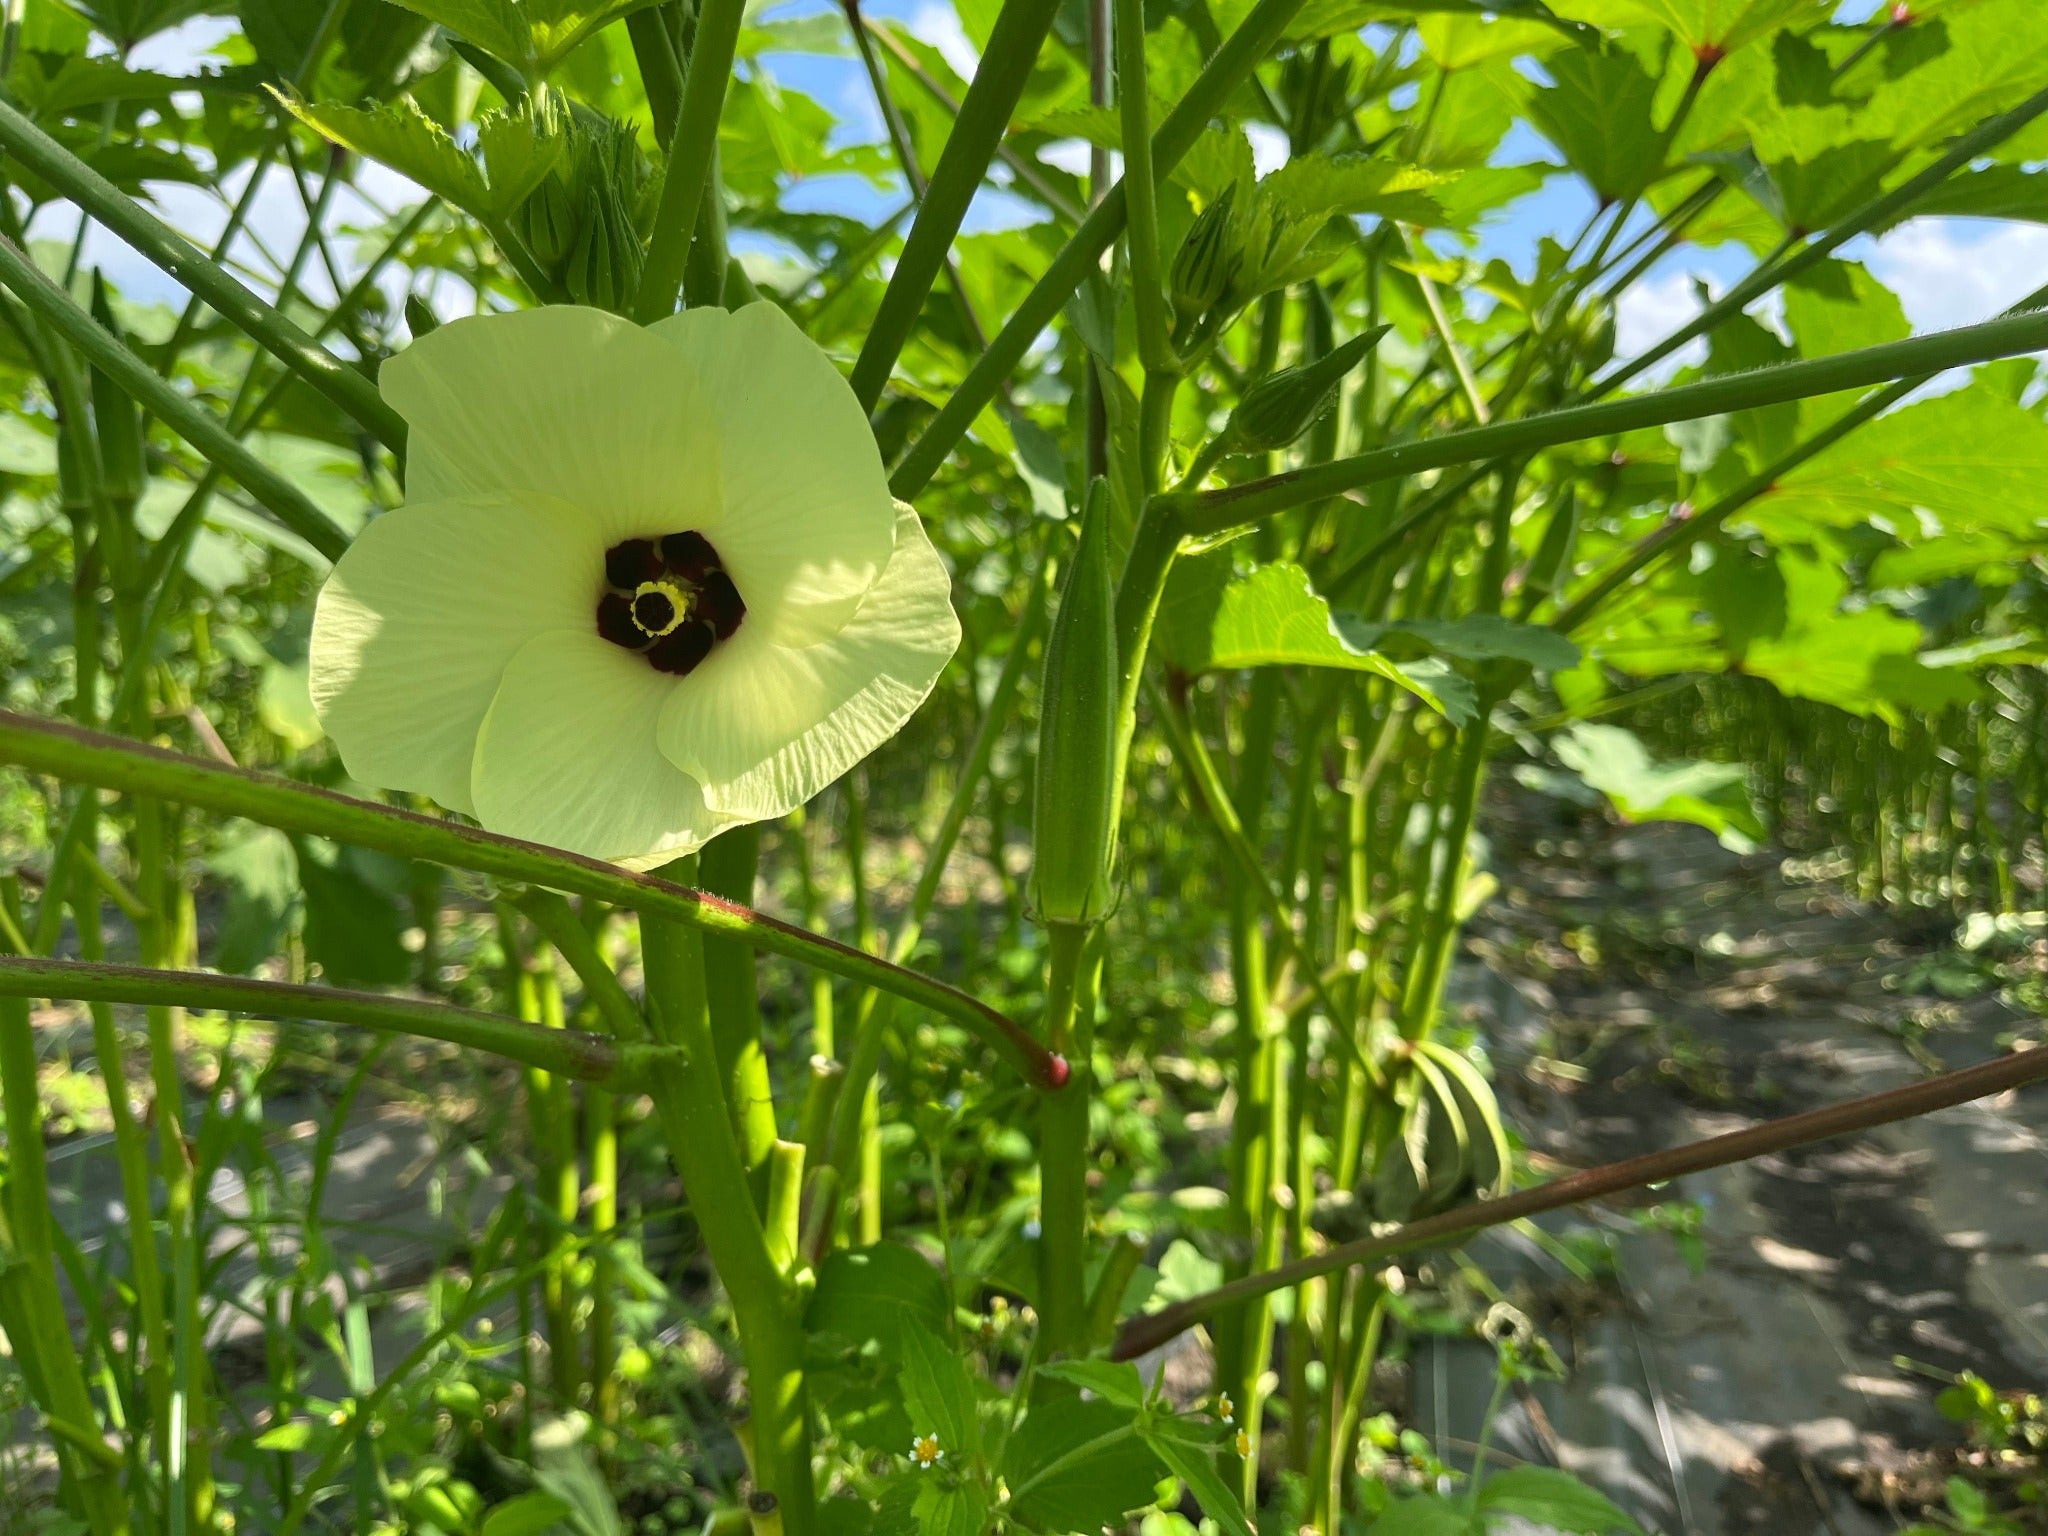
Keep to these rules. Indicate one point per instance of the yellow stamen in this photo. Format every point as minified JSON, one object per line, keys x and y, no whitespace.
{"x":681,"y":600}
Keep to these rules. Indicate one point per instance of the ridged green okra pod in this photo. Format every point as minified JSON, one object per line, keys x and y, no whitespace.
{"x":1076,"y":790}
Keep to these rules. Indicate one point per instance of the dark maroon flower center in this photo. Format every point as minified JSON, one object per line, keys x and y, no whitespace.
{"x":669,"y":599}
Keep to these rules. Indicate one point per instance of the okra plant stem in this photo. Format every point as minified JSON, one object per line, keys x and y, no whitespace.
{"x":1063,"y":1151}
{"x":690,"y":1099}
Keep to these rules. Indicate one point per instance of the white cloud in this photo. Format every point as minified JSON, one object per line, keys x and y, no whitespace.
{"x":938,"y":26}
{"x":1946,"y":272}
{"x":1659,"y":305}
{"x":1652,"y":310}
{"x":1950,"y":272}
{"x":1270,"y":149}
{"x":1073,"y":157}
{"x":275,"y":226}
{"x":185,"y":48}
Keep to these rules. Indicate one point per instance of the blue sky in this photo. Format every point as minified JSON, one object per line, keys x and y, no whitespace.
{"x":1947,"y":272}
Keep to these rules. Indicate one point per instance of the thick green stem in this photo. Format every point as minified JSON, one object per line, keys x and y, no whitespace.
{"x":1227,"y":70}
{"x":194,"y":423}
{"x":1439,"y":936}
{"x":689,"y":1096}
{"x":112,"y":762}
{"x":31,"y":1305}
{"x":692,"y":152}
{"x":570,"y":1052}
{"x":601,"y":1155}
{"x":1006,"y":65}
{"x":1063,"y":1150}
{"x":1300,"y":1340}
{"x":728,"y":866}
{"x":131,"y":1152}
{"x":661,"y":71}
{"x":102,"y":201}
{"x":553,"y":1162}
{"x":188,"y":1460}
{"x":1141,"y":194}
{"x":1210,"y":512}
{"x":577,"y":944}
{"x":1154,"y":543}
{"x":1337,"y":1446}
{"x":1258,"y":1130}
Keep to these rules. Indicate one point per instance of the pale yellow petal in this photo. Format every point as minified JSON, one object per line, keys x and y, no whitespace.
{"x":765,"y":727}
{"x":566,"y":402}
{"x":806,"y":522}
{"x":568,"y":757}
{"x":420,"y":618}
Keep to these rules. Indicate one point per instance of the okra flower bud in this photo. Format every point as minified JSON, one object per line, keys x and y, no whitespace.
{"x":1208,"y":259}
{"x":420,"y":318}
{"x":548,"y":220}
{"x":117,"y":424}
{"x":1076,"y":789}
{"x":604,"y":269}
{"x":1282,"y":406}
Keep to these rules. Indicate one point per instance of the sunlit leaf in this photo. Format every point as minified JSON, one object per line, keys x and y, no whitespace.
{"x":519,"y":148}
{"x":1475,"y":637}
{"x":1706,"y":26}
{"x":1195,"y":1464}
{"x":1078,"y":1465}
{"x":1212,"y":621}
{"x":1598,"y":112}
{"x":526,"y":1514}
{"x":405,"y":139}
{"x":1838,"y":306}
{"x":1990,"y":192}
{"x":1318,"y":186}
{"x":1426,"y":1515}
{"x":1997,"y":55}
{"x":54,"y":84}
{"x":951,"y":1509}
{"x":1710,"y":795}
{"x":1971,"y":458}
{"x":938,"y":1393}
{"x":1553,"y":1499}
{"x":1114,"y":1381}
{"x":878,"y":1293}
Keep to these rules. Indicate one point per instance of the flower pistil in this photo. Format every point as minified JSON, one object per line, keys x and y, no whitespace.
{"x":669,"y":599}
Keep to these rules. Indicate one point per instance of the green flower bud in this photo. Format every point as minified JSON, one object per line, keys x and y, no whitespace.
{"x":548,"y":221}
{"x":1074,"y":794}
{"x":116,"y":423}
{"x":1551,"y":565}
{"x":420,"y":318}
{"x":1592,"y":335}
{"x":1206,"y":263}
{"x":604,"y":269}
{"x":75,"y":481}
{"x":1282,"y":406}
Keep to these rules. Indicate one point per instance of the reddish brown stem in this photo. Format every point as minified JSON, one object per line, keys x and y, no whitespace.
{"x":1142,"y":1334}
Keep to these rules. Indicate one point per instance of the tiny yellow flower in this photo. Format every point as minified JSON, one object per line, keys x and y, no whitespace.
{"x":926,"y":1451}
{"x":647,"y":584}
{"x":1225,"y":1409}
{"x":1244,"y":1443}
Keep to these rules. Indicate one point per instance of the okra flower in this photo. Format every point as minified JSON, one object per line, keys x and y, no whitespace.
{"x":646,"y":585}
